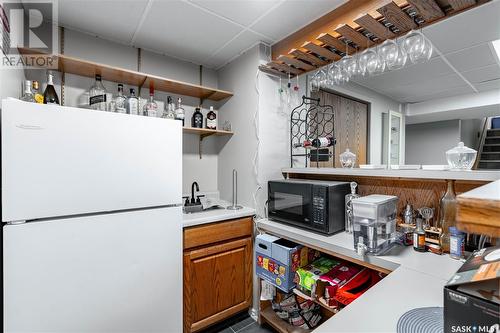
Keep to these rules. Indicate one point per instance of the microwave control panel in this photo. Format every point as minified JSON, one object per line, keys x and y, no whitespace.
{"x":319,"y":198}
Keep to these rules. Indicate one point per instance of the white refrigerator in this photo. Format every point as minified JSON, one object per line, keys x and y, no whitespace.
{"x":91,"y":221}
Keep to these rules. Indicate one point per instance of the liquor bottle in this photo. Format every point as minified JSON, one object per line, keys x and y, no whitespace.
{"x":50,"y":95}
{"x":448,"y":205}
{"x":97,"y":95}
{"x":151,"y":108}
{"x":419,"y":237}
{"x":349,"y":217}
{"x":211,"y":122}
{"x":321,"y":142}
{"x":179,"y":111}
{"x":36,"y":92}
{"x":197,"y":119}
{"x":169,"y":114}
{"x":132,"y":105}
{"x":120,"y":101}
{"x":27,"y":93}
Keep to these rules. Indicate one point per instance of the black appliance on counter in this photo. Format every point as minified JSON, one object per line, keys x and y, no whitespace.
{"x":309,"y":204}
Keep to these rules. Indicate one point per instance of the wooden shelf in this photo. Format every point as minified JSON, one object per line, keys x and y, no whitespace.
{"x":86,"y":68}
{"x":205,"y":132}
{"x":270,"y":317}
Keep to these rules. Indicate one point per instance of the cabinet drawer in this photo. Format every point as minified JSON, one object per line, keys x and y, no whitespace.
{"x":217,"y":232}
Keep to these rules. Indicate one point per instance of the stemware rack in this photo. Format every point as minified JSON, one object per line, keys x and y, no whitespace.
{"x":308,"y":121}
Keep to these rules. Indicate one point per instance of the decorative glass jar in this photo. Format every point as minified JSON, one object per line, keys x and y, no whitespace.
{"x":347,"y":159}
{"x":461,"y":157}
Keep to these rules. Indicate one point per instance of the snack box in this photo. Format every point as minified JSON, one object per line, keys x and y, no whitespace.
{"x":357,"y":286}
{"x":328,"y":283}
{"x":278,"y":259}
{"x":306,"y":277}
{"x":472,"y":295}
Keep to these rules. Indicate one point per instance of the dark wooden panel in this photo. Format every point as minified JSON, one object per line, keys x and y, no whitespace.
{"x":331,"y":41}
{"x":295,"y":62}
{"x":284,"y":68}
{"x":375,"y":27}
{"x":321,"y":51}
{"x":397,"y":16}
{"x":428,"y":9}
{"x":461,"y":4}
{"x":348,"y":32}
{"x":307,"y":57}
{"x":269,"y":70}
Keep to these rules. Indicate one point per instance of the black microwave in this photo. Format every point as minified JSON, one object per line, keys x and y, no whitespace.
{"x":309,"y":204}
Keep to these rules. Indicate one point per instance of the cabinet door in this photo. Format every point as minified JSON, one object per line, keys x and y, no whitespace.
{"x":217,"y":282}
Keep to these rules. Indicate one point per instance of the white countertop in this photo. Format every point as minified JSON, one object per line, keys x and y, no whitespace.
{"x":417,"y":280}
{"x":489,"y":191}
{"x":478,"y":175}
{"x":215,"y":215}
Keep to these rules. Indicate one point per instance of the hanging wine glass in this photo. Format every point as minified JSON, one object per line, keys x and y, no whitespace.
{"x":314,"y":83}
{"x":389,"y":52}
{"x":322,"y":77}
{"x":343,"y":65}
{"x":400,"y":61}
{"x":353,"y":67}
{"x":418,"y":47}
{"x":424,"y":53}
{"x":374,"y":63}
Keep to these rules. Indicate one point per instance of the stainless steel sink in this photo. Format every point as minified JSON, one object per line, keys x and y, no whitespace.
{"x":198,"y":209}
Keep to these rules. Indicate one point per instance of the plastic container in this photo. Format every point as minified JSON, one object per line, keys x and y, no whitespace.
{"x":461,"y":157}
{"x":457,"y":243}
{"x":375,"y":222}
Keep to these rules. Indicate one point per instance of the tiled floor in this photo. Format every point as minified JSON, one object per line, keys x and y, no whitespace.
{"x":239,"y":324}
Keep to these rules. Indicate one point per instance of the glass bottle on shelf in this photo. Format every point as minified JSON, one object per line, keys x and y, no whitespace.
{"x":197,"y":119}
{"x":151,"y":108}
{"x":179,"y":111}
{"x":27,"y":95}
{"x":132,"y":105}
{"x":36,"y":92}
{"x":169,"y":114}
{"x":347,"y":159}
{"x":50,"y":95}
{"x":97,"y":95}
{"x":448,"y":205}
{"x":211,"y":121}
{"x":348,"y":207}
{"x":119,"y":102}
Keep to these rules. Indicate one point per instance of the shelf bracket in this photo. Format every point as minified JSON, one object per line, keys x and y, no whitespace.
{"x":202,"y":136}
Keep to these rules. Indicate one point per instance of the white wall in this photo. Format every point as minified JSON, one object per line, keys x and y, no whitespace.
{"x":427,"y":143}
{"x":91,"y":48}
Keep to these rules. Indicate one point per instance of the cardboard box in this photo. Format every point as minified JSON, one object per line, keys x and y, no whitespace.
{"x":307,"y":277}
{"x":471,"y":296}
{"x":355,"y":287}
{"x":278,"y":259}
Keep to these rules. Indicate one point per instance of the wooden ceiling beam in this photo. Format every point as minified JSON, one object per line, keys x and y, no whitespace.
{"x":375,"y":27}
{"x":319,"y":50}
{"x":344,"y":14}
{"x":397,"y":16}
{"x":429,"y":10}
{"x":295,"y":62}
{"x":311,"y":58}
{"x":357,"y":37}
{"x":285,"y":68}
{"x":334,"y":42}
{"x":269,"y":70}
{"x":461,"y":4}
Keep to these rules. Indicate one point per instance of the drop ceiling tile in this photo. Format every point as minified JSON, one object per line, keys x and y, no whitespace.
{"x":292,"y":15}
{"x":488,"y":85}
{"x":411,"y":74}
{"x":234,"y":48}
{"x":471,"y":58}
{"x":241,"y":11}
{"x":181,"y":30}
{"x":472,"y":27}
{"x":483,"y":74}
{"x":108,"y":19}
{"x":435,"y":85}
{"x":455,"y":91}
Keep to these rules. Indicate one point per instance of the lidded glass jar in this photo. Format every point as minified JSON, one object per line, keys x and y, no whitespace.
{"x":347,"y":159}
{"x":461,"y":157}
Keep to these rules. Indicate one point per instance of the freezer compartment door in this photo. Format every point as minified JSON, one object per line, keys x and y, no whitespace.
{"x":115,"y":273}
{"x":59,"y":161}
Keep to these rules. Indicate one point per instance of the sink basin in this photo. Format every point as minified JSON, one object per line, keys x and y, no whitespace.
{"x":198,"y":209}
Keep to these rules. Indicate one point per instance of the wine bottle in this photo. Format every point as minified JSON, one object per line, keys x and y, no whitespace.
{"x":50,"y":95}
{"x":321,"y":142}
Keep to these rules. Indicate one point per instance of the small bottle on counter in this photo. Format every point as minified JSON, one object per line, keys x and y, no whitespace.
{"x":419,"y":237}
{"x":457,"y":243}
{"x":36,"y":92}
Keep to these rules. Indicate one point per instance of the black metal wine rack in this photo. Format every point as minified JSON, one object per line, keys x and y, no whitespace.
{"x":308,"y":121}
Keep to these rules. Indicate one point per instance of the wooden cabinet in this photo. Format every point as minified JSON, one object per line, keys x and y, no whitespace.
{"x":218,"y":261}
